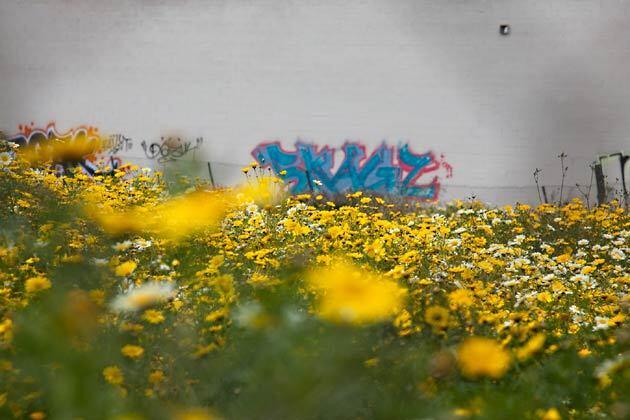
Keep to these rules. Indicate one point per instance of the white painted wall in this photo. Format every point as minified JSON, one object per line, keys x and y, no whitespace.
{"x":237,"y":72}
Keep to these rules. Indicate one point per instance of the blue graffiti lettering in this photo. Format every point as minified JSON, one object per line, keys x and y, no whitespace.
{"x":388,"y":170}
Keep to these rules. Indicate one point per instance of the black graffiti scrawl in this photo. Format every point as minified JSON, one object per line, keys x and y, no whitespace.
{"x":610,"y":175}
{"x":170,"y":149}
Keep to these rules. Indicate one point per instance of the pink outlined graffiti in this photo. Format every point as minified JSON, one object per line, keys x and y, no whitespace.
{"x":392,"y":170}
{"x":29,"y":135}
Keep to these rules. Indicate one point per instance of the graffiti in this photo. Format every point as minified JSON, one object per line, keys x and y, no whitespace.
{"x":118,"y":143}
{"x":387,"y":170}
{"x":29,"y":135}
{"x":166,"y":150}
{"x":610,"y":176}
{"x":169,"y":149}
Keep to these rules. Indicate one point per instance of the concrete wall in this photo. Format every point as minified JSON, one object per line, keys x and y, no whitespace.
{"x":435,"y":74}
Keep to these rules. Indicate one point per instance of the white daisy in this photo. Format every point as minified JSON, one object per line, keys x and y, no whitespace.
{"x":601,"y":323}
{"x":141,"y":297}
{"x":617,"y":254}
{"x":5,"y":158}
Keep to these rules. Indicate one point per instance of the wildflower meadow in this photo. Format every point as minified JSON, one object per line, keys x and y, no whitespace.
{"x":132,"y":295}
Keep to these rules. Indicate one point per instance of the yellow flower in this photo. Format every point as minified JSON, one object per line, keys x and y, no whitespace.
{"x":132,"y":351}
{"x":376,"y":249}
{"x":478,"y":357}
{"x":598,"y":261}
{"x":335,"y":231}
{"x":217,"y":315}
{"x":486,"y":266}
{"x":533,"y":345}
{"x":460,"y":298}
{"x":153,"y":316}
{"x":348,"y":294}
{"x":203,"y":350}
{"x":97,"y":296}
{"x":558,"y":287}
{"x":563,"y":258}
{"x":260,"y":279}
{"x":217,"y":261}
{"x":156,"y":377}
{"x":23,"y":203}
{"x":296,"y":228}
{"x":544,"y":297}
{"x":37,"y":415}
{"x":113,"y":375}
{"x":6,"y":331}
{"x":436,"y":316}
{"x":551,"y":414}
{"x":462,"y":412}
{"x":36,"y":284}
{"x":126,"y":268}
{"x":584,"y":352}
{"x":403,"y":323}
{"x":195,"y":414}
{"x":371,"y":362}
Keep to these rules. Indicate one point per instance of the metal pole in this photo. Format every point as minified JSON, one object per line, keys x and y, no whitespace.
{"x":308,"y":178}
{"x":601,"y":184}
{"x":211,"y":177}
{"x":544,"y":191}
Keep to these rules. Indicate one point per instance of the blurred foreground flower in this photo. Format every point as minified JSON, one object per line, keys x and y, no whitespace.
{"x":478,"y":357}
{"x":62,"y":150}
{"x":551,"y":414}
{"x":609,"y":367}
{"x":531,"y":347}
{"x":186,"y":214}
{"x":195,"y":414}
{"x":173,"y":219}
{"x":138,"y":298}
{"x":263,"y":191}
{"x":349,"y":294}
